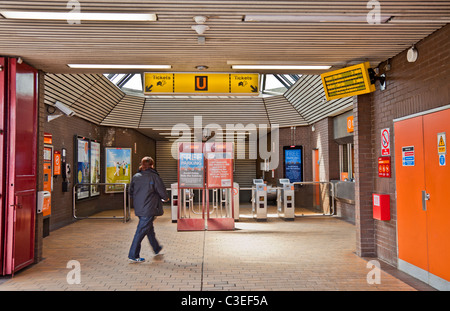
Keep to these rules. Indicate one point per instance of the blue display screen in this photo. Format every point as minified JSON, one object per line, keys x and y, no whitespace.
{"x":293,"y":163}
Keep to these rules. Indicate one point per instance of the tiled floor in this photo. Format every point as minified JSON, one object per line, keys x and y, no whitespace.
{"x":310,"y":253}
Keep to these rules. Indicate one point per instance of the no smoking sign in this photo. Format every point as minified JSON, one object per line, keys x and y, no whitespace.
{"x":385,"y":142}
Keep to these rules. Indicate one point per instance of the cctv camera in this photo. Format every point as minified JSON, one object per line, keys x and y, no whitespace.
{"x":66,"y":110}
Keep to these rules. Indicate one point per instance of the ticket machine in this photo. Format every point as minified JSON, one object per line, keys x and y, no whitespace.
{"x":259,"y":200}
{"x":286,"y":199}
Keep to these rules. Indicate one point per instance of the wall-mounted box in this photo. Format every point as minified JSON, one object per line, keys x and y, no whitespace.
{"x":381,"y":206}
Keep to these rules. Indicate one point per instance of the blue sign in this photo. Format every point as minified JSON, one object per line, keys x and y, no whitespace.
{"x":190,"y":170}
{"x":442,"y":159}
{"x":293,"y":163}
{"x":408,"y":156}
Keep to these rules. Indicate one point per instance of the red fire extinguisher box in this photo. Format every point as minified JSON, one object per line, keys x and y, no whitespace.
{"x":381,"y":206}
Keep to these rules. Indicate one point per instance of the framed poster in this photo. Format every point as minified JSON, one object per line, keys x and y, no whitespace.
{"x":293,"y":163}
{"x":219,"y":163}
{"x":191,"y":165}
{"x":95,"y":167}
{"x":82,"y":165}
{"x":118,"y":168}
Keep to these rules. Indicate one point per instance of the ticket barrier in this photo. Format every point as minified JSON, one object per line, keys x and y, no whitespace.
{"x":259,"y":200}
{"x":286,"y":199}
{"x":220,"y":209}
{"x":174,"y":201}
{"x":236,"y":201}
{"x":190,"y":214}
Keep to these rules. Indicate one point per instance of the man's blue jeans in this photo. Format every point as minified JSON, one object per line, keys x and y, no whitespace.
{"x":144,"y":228}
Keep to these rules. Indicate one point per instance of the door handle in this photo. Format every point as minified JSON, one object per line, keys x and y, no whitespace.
{"x":425,"y":198}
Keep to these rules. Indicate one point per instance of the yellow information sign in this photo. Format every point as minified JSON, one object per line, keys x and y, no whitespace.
{"x":198,"y":83}
{"x":349,"y":81}
{"x":442,"y":143}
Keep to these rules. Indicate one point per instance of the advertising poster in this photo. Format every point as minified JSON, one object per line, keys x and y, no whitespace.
{"x":190,"y":170}
{"x":118,"y":168}
{"x":95,"y":168}
{"x":293,"y":163}
{"x":219,"y":158}
{"x":83,"y":173}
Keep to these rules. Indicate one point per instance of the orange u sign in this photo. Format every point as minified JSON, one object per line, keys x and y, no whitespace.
{"x":201,"y":83}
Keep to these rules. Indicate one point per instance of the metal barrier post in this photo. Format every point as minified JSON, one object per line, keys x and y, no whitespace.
{"x":321,"y":182}
{"x":126,"y":213}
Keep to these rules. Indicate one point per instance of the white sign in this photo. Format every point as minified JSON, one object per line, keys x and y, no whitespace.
{"x":385,"y":142}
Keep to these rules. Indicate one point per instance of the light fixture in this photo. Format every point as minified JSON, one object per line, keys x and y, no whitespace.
{"x":310,"y":18}
{"x":201,"y":67}
{"x":113,"y":66}
{"x":281,"y":67}
{"x":200,"y":19}
{"x":412,"y":54}
{"x":200,"y":29}
{"x":136,"y":17}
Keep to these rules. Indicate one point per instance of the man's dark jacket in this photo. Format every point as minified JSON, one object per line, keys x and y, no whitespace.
{"x":147,"y":190}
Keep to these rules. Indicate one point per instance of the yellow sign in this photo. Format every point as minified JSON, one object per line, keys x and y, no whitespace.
{"x":442,"y":143}
{"x":349,"y":81}
{"x":198,"y":83}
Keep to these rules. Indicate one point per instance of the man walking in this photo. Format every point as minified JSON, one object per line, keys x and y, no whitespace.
{"x":147,"y":191}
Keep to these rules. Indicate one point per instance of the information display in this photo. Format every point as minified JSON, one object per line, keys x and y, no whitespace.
{"x":293,"y":164}
{"x":346,"y":82}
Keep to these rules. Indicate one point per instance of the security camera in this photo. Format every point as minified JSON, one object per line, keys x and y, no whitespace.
{"x":66,"y":110}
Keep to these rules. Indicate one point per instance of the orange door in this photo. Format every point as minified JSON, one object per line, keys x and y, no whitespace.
{"x":437,"y":181}
{"x":410,"y":181}
{"x":423,"y":226}
{"x":316,"y":177}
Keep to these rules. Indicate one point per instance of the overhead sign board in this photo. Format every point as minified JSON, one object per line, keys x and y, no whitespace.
{"x":349,"y":81}
{"x":156,"y":83}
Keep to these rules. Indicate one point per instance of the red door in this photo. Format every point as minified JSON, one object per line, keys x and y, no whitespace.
{"x":20,"y":150}
{"x":2,"y":159}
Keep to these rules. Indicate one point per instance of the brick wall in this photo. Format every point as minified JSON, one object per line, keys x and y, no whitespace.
{"x":411,"y":88}
{"x":63,"y":130}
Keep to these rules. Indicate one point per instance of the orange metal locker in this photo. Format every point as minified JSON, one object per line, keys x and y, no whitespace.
{"x":423,"y":209}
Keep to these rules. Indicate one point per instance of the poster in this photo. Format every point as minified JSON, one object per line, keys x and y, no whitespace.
{"x":293,"y":163}
{"x":190,"y":170}
{"x":82,"y":167}
{"x":219,"y":158}
{"x":95,"y":168}
{"x":118,"y":168}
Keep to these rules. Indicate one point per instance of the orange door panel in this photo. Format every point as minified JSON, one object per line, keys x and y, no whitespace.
{"x":410,"y":181}
{"x":437,"y":181}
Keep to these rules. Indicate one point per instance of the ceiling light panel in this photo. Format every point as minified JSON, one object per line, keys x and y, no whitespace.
{"x":311,"y":18}
{"x":136,"y":17}
{"x":113,"y":66}
{"x":282,"y":67}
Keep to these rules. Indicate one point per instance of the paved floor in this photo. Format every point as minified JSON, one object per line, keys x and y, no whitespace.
{"x":311,"y":253}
